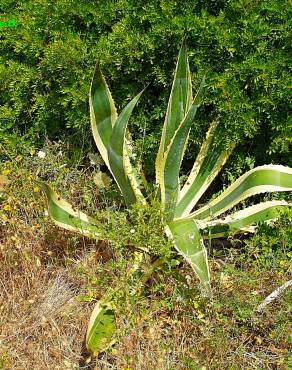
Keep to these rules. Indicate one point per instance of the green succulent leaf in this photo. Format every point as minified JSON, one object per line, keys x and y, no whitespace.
{"x":101,"y":327}
{"x":103,"y":114}
{"x":179,"y":103}
{"x":243,"y":221}
{"x":65,"y":216}
{"x":189,"y":243}
{"x":268,"y":178}
{"x":209,"y":162}
{"x":173,"y":156}
{"x":118,"y":155}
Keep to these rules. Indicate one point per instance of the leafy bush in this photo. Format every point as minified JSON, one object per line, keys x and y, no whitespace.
{"x":242,"y":47}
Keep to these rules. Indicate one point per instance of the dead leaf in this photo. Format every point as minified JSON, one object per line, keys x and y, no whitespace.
{"x":102,"y":180}
{"x":3,"y":182}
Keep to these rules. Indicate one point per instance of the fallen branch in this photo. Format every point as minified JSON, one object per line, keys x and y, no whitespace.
{"x":275,"y":294}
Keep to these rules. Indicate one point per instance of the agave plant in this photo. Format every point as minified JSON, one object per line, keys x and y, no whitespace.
{"x":186,"y":225}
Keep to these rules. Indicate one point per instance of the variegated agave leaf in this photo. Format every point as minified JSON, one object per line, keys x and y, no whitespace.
{"x":171,"y":161}
{"x":179,"y":103}
{"x":189,"y":243}
{"x":65,"y":216}
{"x":209,"y":162}
{"x":268,"y":178}
{"x":106,"y":127}
{"x":119,"y":160}
{"x":103,"y":113}
{"x":244,"y":221}
{"x":101,"y":328}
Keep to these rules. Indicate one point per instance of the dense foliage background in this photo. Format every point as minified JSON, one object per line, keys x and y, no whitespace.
{"x":242,"y":47}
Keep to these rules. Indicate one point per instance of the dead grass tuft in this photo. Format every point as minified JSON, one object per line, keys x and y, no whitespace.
{"x":42,"y":322}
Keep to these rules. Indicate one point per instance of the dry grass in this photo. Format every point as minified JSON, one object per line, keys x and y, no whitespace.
{"x":49,"y":281}
{"x":43,"y":322}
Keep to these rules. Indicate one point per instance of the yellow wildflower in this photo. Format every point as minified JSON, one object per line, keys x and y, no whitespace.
{"x":7,"y":207}
{"x":4,"y":218}
{"x":36,"y":189}
{"x":6,"y":172}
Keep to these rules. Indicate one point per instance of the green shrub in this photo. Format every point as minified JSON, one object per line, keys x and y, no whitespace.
{"x":242,"y":46}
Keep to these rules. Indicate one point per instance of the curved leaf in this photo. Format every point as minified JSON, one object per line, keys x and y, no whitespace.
{"x":65,"y":216}
{"x":173,"y":156}
{"x":101,"y":327}
{"x":188,"y":242}
{"x":119,"y":160}
{"x":179,"y":103}
{"x":208,"y":163}
{"x":268,"y":178}
{"x":103,"y":113}
{"x":244,"y":220}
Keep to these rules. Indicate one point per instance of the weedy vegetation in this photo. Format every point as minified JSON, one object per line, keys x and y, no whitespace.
{"x":51,"y":279}
{"x":164,"y":220}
